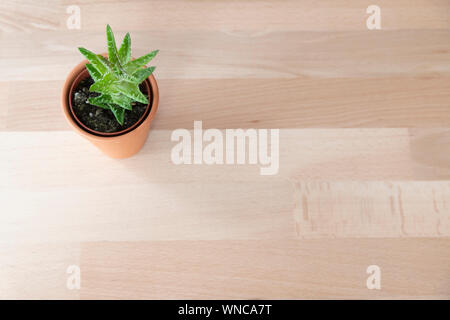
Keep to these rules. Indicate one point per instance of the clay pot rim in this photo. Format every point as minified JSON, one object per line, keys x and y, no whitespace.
{"x":70,"y":80}
{"x":85,"y":74}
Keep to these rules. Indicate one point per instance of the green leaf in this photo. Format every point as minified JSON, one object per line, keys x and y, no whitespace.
{"x":105,"y":100}
{"x":122,"y":101}
{"x":94,"y":60}
{"x":125,"y":49}
{"x":95,"y":74}
{"x":104,"y":61}
{"x":126,"y":77}
{"x":133,"y":66}
{"x":102,"y":101}
{"x":143,"y":74}
{"x":106,"y":85}
{"x":119,"y":113}
{"x":112,"y":49}
{"x":132,"y":90}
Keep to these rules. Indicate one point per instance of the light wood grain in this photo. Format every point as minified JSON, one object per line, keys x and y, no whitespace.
{"x":280,"y":269}
{"x":281,"y":103}
{"x":37,"y":270}
{"x":199,"y":211}
{"x":305,"y":154}
{"x":218,"y":55}
{"x":229,"y":16}
{"x":392,"y":209}
{"x":308,"y":269}
{"x":364,"y":176}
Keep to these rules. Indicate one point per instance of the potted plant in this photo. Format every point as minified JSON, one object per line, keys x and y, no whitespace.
{"x":111,"y":99}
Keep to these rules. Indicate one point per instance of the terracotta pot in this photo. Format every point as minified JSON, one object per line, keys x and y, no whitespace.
{"x":122,"y":144}
{"x":84,"y":75}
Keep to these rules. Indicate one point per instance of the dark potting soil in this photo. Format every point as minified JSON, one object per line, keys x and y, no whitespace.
{"x":100,"y":119}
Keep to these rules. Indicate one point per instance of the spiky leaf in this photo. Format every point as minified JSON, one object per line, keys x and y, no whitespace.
{"x":131,"y":90}
{"x":125,"y":49}
{"x":134,"y":65}
{"x":126,"y":77}
{"x":102,"y":101}
{"x":94,"y":60}
{"x":122,"y":101}
{"x":143,"y":74}
{"x":112,"y":49}
{"x":105,"y":62}
{"x":105,"y":101}
{"x":119,"y":113}
{"x":106,"y":85}
{"x":95,"y":74}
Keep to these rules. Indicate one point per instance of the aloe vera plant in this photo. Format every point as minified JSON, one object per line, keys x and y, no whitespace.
{"x":117,"y":78}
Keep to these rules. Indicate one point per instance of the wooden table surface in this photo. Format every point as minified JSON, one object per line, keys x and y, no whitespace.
{"x":364,"y":158}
